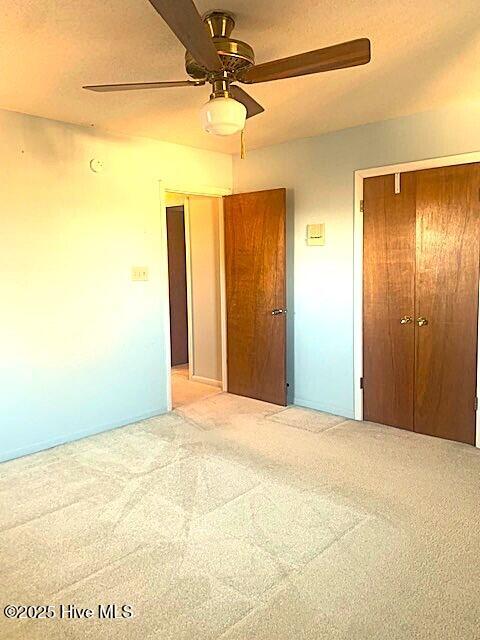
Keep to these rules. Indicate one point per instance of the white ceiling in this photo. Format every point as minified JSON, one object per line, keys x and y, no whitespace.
{"x":425,"y":54}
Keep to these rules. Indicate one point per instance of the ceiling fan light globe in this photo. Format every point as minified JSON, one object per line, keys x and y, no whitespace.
{"x":223,"y":116}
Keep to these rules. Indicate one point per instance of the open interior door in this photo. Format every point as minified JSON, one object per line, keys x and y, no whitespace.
{"x":255,"y":273}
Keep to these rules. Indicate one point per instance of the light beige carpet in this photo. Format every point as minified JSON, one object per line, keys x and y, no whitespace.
{"x":185,"y":391}
{"x":239,"y":520}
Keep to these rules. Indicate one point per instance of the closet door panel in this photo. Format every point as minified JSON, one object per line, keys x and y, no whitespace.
{"x":388,"y":296}
{"x":447,"y":237}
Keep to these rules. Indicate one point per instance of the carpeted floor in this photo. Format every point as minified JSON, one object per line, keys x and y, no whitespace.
{"x":235,"y":519}
{"x":185,"y":391}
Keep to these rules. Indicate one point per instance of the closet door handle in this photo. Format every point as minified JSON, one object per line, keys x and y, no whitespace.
{"x":406,"y":320}
{"x":422,"y":322}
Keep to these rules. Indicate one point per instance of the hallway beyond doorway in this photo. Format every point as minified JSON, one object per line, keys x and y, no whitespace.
{"x":185,"y":391}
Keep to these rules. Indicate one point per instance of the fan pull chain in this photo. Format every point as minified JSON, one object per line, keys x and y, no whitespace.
{"x":242,"y":144}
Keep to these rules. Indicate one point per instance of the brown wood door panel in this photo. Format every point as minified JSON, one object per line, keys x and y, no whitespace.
{"x":448,"y":211}
{"x":255,"y":274}
{"x":177,"y":278}
{"x":388,"y":295}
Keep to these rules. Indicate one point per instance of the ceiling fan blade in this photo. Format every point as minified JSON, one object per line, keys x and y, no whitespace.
{"x":253,"y":108}
{"x":184,"y":20}
{"x":339,"y":56}
{"x":144,"y":85}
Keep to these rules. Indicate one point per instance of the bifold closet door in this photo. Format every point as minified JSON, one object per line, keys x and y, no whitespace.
{"x":389,"y":301}
{"x":421,"y":277}
{"x":448,"y":214}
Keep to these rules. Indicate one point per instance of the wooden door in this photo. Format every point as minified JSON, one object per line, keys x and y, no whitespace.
{"x":389,"y":296}
{"x":421,"y":276}
{"x":255,"y":273}
{"x":177,"y":278}
{"x":448,"y":214}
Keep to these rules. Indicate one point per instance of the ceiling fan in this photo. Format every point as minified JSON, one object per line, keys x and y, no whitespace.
{"x":213,"y":56}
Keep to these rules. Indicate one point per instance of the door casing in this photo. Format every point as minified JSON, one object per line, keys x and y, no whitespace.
{"x":211,"y":192}
{"x":360,"y":175}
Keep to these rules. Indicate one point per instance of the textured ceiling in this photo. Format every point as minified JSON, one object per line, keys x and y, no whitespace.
{"x":425,"y":54}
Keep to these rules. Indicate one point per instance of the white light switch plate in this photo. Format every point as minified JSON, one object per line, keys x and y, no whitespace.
{"x":139,"y":274}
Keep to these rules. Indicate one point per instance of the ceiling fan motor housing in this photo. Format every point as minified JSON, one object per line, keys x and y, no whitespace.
{"x":234,"y":54}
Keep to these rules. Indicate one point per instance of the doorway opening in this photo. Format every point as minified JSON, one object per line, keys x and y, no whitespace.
{"x":234,"y":248}
{"x":194,"y":252}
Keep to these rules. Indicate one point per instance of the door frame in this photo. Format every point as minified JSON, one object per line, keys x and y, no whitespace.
{"x":211,"y":192}
{"x":359,"y":177}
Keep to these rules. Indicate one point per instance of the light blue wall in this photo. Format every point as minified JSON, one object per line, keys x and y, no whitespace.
{"x":319,"y":175}
{"x":82,"y":347}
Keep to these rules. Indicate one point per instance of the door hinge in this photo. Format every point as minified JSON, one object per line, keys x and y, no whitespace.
{"x":361,"y":383}
{"x":476,"y":404}
{"x":361,"y":206}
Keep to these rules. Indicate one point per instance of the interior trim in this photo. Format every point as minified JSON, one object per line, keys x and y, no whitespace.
{"x":188,"y":191}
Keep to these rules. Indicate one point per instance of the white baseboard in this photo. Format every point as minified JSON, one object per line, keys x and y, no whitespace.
{"x":210,"y":381}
